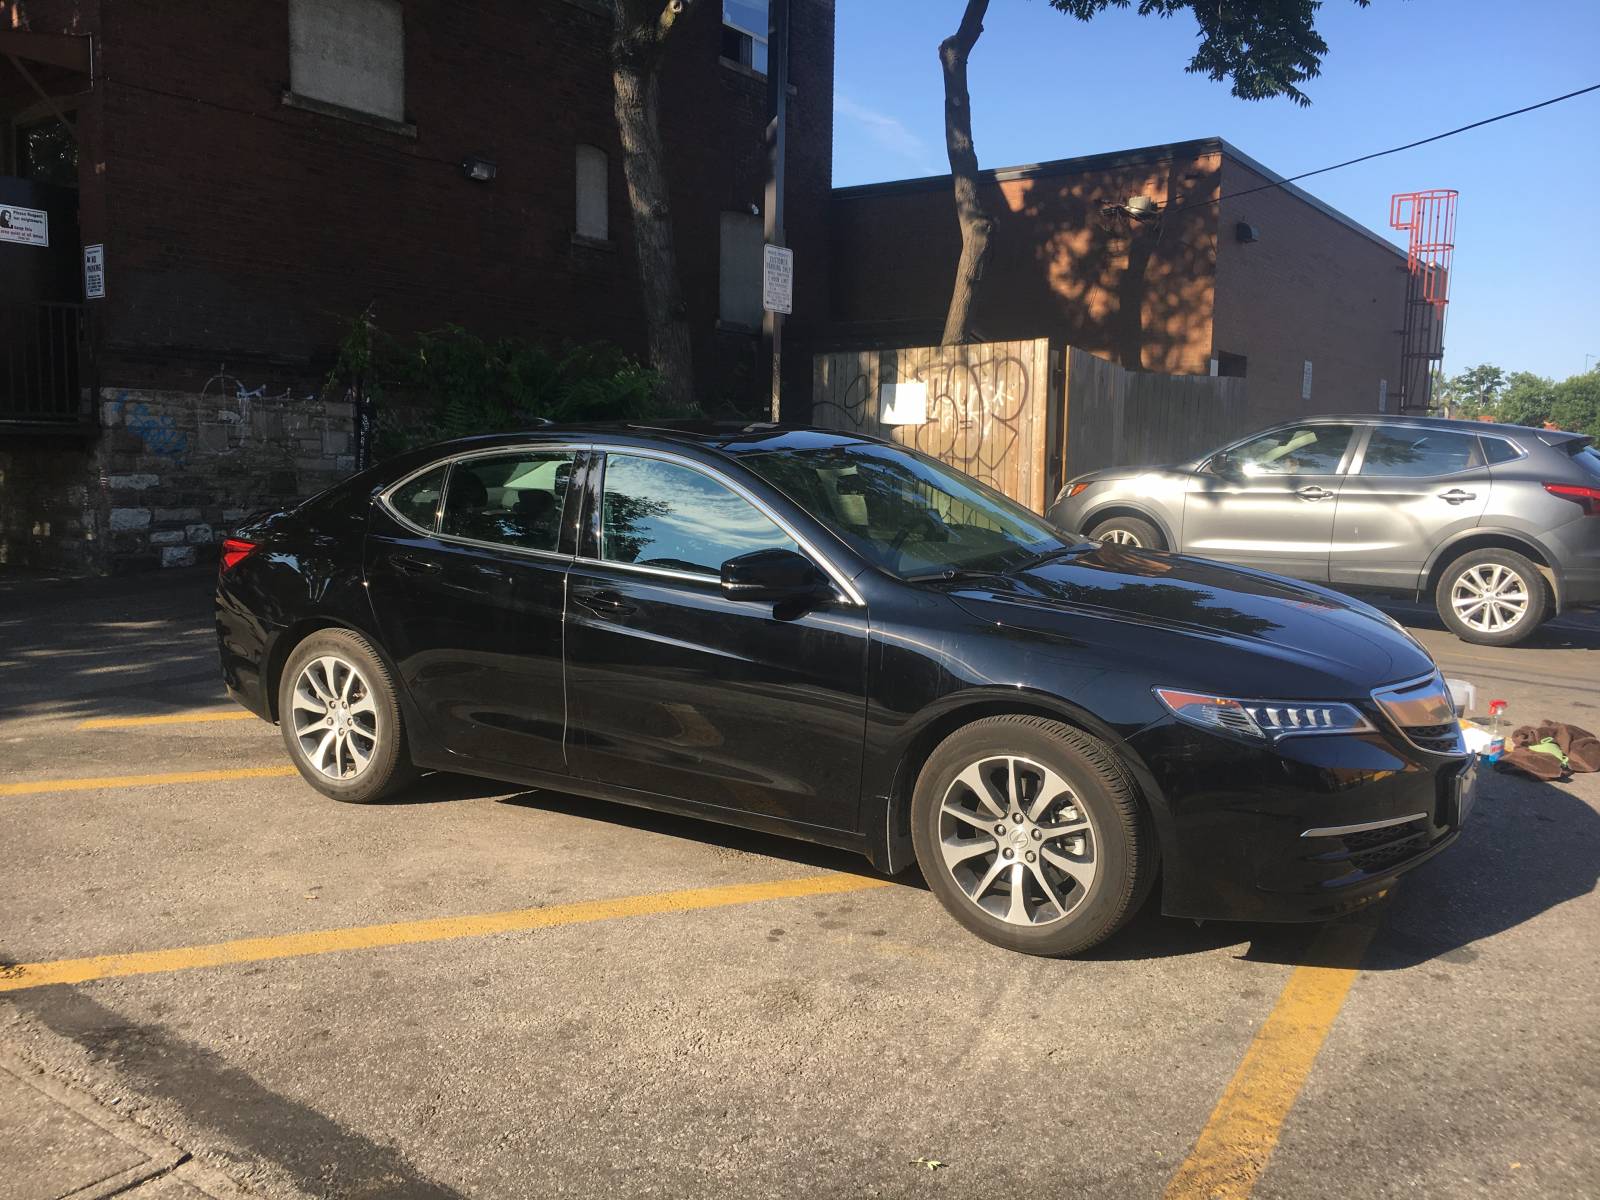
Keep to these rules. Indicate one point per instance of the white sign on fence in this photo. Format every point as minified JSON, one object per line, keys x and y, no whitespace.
{"x":777,"y":279}
{"x":94,"y":272}
{"x":1305,"y":382}
{"x":903,"y":403}
{"x":26,"y":226}
{"x":1383,"y":395}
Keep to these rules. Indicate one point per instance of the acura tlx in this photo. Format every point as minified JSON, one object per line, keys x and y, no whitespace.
{"x":838,"y":639}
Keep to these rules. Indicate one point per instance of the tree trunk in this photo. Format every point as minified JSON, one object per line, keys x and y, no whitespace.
{"x":636,"y":42}
{"x":975,"y":223}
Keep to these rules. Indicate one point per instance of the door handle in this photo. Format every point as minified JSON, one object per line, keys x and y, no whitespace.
{"x":603,"y":600}
{"x":1313,"y":492}
{"x":1457,"y":496}
{"x":412,"y":565}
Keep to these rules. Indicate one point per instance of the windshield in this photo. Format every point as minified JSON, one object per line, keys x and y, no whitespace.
{"x":910,"y":515}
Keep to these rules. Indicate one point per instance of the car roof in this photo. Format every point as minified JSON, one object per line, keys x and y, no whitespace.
{"x":727,"y":437}
{"x":1548,"y":436}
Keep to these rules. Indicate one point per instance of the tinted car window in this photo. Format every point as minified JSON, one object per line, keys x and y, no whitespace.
{"x":418,"y":501}
{"x":508,"y":499}
{"x":1498,"y":450}
{"x":661,"y":514}
{"x":1298,"y":450}
{"x":1411,"y":452}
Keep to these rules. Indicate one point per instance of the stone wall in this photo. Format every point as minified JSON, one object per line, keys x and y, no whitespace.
{"x":168,"y":478}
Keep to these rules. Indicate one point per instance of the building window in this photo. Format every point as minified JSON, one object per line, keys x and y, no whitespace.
{"x":350,"y":54}
{"x":739,"y":272}
{"x":744,"y":33}
{"x":45,"y":151}
{"x":593,"y":214}
{"x":1232,"y":366}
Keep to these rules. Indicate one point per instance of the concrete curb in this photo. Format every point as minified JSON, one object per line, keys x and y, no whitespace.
{"x":58,"y":1144}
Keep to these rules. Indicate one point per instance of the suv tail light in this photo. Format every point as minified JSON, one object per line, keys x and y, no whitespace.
{"x":235,"y":551}
{"x":1587,"y":497}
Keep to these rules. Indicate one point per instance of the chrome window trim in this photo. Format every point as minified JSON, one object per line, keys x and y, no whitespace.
{"x":385,"y":498}
{"x":1361,"y":826}
{"x":840,"y":580}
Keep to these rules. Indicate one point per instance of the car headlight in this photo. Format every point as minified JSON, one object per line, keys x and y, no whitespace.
{"x":1266,"y":720}
{"x":1070,"y":490}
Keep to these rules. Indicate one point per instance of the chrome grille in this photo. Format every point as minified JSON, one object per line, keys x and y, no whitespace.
{"x":1422,"y":712}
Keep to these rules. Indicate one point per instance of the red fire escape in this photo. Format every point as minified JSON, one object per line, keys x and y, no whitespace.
{"x":1429,"y":219}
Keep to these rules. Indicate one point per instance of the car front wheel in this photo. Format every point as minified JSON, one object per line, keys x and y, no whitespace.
{"x":1128,"y":531}
{"x":340,"y":718}
{"x":1030,"y":834}
{"x":1492,"y":597}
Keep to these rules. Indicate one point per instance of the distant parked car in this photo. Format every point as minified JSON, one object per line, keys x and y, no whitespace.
{"x":1497,"y":522}
{"x":837,"y":639}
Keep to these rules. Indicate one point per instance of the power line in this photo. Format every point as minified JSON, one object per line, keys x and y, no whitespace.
{"x":1517,"y":112}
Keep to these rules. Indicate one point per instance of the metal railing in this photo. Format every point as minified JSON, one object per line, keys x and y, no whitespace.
{"x":46,"y":363}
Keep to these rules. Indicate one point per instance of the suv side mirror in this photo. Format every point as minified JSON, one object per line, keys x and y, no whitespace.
{"x":1222,"y":463}
{"x":773,"y":575}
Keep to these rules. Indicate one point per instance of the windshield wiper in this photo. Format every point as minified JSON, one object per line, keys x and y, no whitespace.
{"x":1038,"y":560}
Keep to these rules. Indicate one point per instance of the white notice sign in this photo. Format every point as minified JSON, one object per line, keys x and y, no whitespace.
{"x":777,"y":279}
{"x":1305,"y":382}
{"x":1383,"y":395}
{"x":27,"y":226}
{"x":94,"y":272}
{"x":903,"y":403}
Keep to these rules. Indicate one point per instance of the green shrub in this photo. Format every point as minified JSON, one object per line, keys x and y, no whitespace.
{"x":449,"y":383}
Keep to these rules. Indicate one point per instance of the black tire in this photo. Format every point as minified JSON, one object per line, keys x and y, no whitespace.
{"x":1527,"y":590}
{"x":1122,"y":842}
{"x":1129,"y":531}
{"x":388,"y":767}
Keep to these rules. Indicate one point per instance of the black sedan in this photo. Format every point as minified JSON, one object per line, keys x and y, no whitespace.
{"x":835,"y":638}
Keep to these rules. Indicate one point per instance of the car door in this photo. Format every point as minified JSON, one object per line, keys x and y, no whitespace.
{"x":1269,"y":502}
{"x":466,"y":567}
{"x":1411,"y":488}
{"x":677,"y":690}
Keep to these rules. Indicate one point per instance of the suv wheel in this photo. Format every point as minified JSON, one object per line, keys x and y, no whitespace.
{"x":1492,"y":597}
{"x":1030,"y":834}
{"x":1129,"y":531}
{"x":340,"y":718}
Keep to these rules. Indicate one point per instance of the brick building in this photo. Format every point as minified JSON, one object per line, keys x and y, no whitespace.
{"x":260,"y":173}
{"x":1132,"y":257}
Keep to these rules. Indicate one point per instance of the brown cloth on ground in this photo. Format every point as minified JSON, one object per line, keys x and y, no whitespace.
{"x":1580,"y":746}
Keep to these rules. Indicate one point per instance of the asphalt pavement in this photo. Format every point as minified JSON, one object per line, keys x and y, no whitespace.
{"x":213,"y":981}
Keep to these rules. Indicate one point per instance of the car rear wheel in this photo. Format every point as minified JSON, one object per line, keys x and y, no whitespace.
{"x":1492,"y":597}
{"x":340,"y":718}
{"x":1128,"y":531}
{"x":1031,"y":835}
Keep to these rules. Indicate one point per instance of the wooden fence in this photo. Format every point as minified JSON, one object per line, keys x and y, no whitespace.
{"x":1025,"y":416}
{"x":1121,"y":418}
{"x":989,"y":411}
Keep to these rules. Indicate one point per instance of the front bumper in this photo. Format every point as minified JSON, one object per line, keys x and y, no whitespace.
{"x":1305,"y":830}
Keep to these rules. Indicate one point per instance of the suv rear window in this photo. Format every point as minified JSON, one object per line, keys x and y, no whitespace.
{"x":1498,"y":450}
{"x":1589,"y":459}
{"x":1413,"y":451}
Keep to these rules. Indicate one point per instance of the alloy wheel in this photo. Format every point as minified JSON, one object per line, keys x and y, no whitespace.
{"x":1120,"y":537}
{"x":1017,"y":841}
{"x":1489,"y":597}
{"x":335,"y":717}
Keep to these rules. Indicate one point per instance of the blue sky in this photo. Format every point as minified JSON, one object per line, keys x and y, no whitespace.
{"x":1526,"y":293}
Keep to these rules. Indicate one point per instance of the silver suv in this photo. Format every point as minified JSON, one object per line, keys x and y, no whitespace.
{"x":1500,"y":523}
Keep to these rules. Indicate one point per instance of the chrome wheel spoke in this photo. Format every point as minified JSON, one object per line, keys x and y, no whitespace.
{"x":1023,"y":851}
{"x":334,"y":717}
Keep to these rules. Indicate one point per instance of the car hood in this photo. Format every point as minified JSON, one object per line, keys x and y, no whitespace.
{"x":1105,"y":474}
{"x":1287,"y":639}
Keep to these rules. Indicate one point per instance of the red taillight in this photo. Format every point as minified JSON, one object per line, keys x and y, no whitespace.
{"x":1588,"y":497}
{"x":234,"y":551}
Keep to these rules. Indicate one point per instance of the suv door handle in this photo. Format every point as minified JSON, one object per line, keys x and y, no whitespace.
{"x":603,"y":601}
{"x":1313,"y":492}
{"x":1457,"y":496}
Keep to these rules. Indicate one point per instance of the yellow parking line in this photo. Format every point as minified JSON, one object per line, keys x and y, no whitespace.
{"x":34,"y":787}
{"x":1236,"y":1143}
{"x":434,"y":929}
{"x":178,"y":718}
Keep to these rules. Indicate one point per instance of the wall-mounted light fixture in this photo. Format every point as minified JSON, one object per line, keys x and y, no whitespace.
{"x":480,"y":170}
{"x":1246,"y":232}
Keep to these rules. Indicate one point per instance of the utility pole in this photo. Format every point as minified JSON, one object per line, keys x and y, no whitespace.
{"x":772,"y":210}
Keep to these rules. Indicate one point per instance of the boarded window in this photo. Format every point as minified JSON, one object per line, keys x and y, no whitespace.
{"x":739,"y":273}
{"x":593,"y":220}
{"x":350,"y":53}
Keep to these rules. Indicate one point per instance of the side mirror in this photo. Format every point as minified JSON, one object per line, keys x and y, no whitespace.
{"x":1222,"y":464}
{"x":773,"y":575}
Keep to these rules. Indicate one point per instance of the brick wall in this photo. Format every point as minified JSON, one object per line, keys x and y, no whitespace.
{"x":1060,"y":265}
{"x":1311,"y":288}
{"x":242,"y":233}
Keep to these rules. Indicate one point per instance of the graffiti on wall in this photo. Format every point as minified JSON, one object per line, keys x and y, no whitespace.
{"x":158,"y":432}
